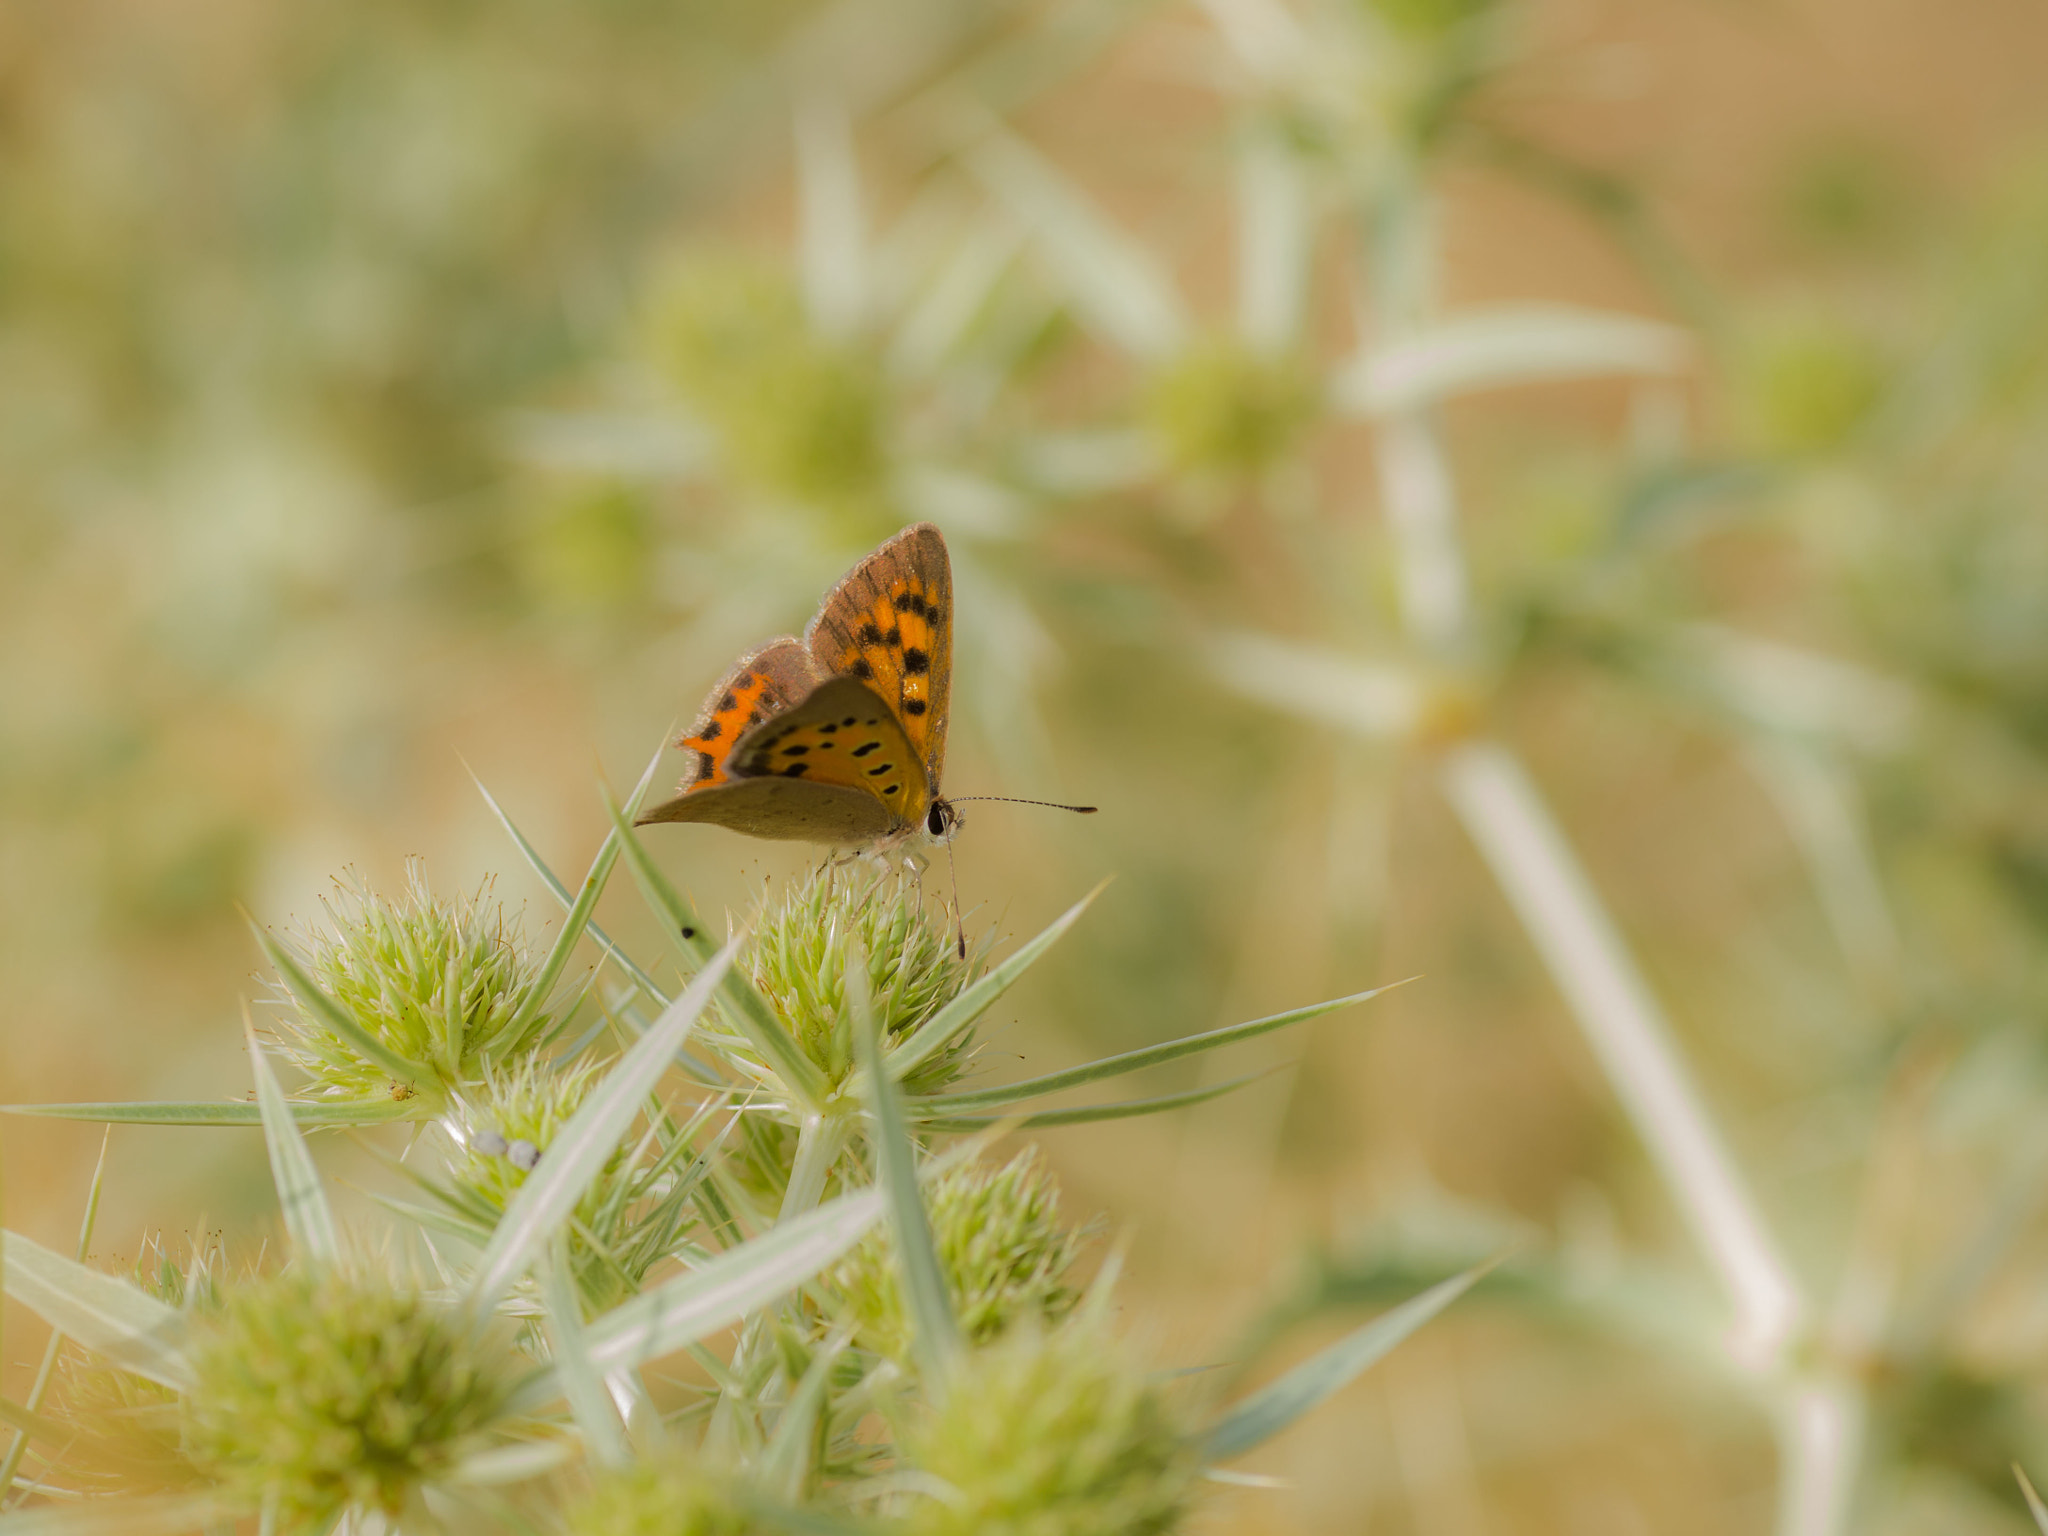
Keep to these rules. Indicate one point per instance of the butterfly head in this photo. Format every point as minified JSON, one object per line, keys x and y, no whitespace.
{"x":941,"y":821}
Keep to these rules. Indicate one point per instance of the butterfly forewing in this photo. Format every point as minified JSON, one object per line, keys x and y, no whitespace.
{"x":844,"y":736}
{"x":762,"y":684}
{"x":889,"y":624}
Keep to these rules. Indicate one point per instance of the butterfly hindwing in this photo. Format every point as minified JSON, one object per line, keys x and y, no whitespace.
{"x":844,"y":737}
{"x":889,"y":624}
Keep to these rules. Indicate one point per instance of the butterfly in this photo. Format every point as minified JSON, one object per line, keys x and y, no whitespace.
{"x":839,"y":737}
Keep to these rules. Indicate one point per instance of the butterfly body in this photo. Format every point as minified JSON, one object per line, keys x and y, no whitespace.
{"x":838,"y":737}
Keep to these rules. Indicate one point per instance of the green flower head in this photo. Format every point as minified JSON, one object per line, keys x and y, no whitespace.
{"x":1053,"y":1434}
{"x":665,"y":1497}
{"x":512,"y":1121}
{"x":1225,"y":410}
{"x":1000,"y":1243}
{"x":319,"y":1390}
{"x":627,"y":1220}
{"x":438,"y":983}
{"x":798,"y":962}
{"x":1807,"y":385}
{"x":796,"y":413}
{"x":1429,"y":20}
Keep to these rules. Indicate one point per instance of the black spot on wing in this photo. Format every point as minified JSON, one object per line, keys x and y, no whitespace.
{"x":865,"y":748}
{"x":795,"y":770}
{"x":913,"y":706}
{"x":796,"y":751}
{"x":727,"y":704}
{"x":863,"y":670}
{"x":916,"y":662}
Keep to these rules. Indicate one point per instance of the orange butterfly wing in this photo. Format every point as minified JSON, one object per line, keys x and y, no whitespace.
{"x":840,"y":737}
{"x":835,"y":767}
{"x":889,"y":623}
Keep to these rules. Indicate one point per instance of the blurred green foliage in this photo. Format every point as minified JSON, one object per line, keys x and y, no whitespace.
{"x":795,"y":415}
{"x":1222,"y":409}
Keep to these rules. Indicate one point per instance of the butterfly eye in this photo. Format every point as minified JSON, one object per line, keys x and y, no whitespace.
{"x":938,"y":821}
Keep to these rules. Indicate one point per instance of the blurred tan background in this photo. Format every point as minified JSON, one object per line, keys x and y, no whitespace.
{"x":352,"y":439}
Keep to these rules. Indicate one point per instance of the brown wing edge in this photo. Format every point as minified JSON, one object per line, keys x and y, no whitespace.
{"x":922,"y":549}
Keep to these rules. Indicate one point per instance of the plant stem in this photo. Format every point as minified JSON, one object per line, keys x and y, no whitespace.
{"x":1819,"y":1418}
{"x":1415,"y":488}
{"x":1529,"y":857}
{"x":819,"y":1141}
{"x":1820,"y":1440}
{"x":818,"y":1144}
{"x":16,"y":1451}
{"x":1415,"y":480}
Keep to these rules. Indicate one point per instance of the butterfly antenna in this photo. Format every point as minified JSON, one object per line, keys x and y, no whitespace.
{"x":1051,"y":805}
{"x":959,"y":919}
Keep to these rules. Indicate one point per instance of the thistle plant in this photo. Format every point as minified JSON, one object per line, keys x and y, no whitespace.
{"x":593,"y":1210}
{"x":319,"y":1390}
{"x":660,"y":1496}
{"x":798,"y":961}
{"x":436,"y":989}
{"x":1054,"y":1431}
{"x":635,"y":1212}
{"x":1004,"y":1253}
